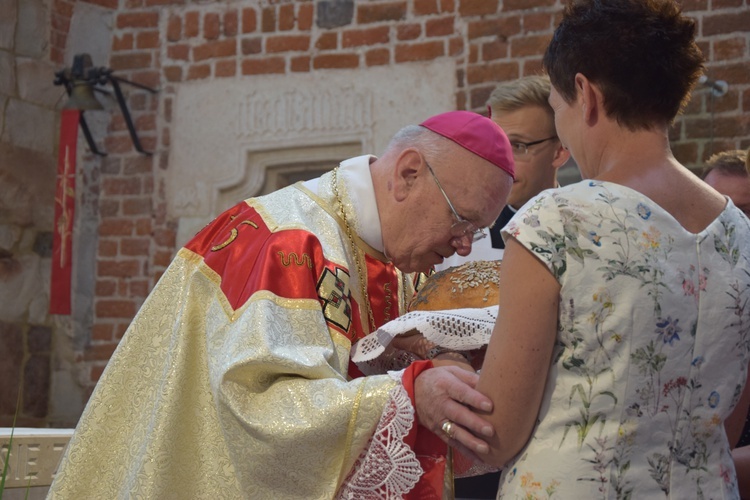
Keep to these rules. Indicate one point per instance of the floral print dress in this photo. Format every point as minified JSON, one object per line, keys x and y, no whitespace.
{"x":652,"y":348}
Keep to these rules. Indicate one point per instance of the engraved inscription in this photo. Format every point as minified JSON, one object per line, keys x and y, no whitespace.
{"x":297,"y":111}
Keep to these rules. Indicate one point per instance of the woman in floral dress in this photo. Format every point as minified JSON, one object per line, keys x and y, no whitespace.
{"x":625,"y":342}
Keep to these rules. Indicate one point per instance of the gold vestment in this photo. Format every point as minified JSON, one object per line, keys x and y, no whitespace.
{"x":233,"y":380}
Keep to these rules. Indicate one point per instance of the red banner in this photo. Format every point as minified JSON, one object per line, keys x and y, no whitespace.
{"x":65,"y":203}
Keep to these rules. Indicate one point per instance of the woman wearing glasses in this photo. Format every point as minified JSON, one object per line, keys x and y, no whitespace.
{"x":623,"y":338}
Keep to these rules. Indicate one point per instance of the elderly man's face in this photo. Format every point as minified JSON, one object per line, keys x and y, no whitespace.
{"x":428,"y":230}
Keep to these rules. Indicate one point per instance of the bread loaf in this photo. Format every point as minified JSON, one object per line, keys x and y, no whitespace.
{"x":470,"y":285}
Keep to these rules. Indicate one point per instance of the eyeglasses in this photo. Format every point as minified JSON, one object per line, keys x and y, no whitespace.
{"x":461,"y":227}
{"x":522,"y":148}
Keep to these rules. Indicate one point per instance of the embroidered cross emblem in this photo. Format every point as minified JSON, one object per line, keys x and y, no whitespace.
{"x":333,"y":290}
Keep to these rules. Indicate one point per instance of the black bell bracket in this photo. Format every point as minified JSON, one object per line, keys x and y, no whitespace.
{"x":81,"y":80}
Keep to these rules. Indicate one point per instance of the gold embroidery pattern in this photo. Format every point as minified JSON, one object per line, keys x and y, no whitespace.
{"x":358,"y":259}
{"x":333,"y":290}
{"x":65,"y":222}
{"x":233,"y":234}
{"x":388,"y":301}
{"x":300,"y":261}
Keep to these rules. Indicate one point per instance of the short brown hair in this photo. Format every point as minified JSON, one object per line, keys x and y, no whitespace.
{"x":641,"y":53}
{"x":735,"y":162}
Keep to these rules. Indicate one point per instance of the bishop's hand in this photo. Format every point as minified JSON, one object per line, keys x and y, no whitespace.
{"x":443,"y":396}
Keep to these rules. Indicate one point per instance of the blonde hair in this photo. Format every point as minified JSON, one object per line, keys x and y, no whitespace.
{"x":530,"y":90}
{"x":733,"y":162}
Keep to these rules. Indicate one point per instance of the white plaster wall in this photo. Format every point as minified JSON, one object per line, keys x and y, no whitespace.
{"x":90,"y":32}
{"x":219,"y":126}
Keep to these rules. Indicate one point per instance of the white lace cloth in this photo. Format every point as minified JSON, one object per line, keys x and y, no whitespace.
{"x":456,"y":329}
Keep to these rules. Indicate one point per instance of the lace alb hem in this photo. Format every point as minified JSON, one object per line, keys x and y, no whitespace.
{"x":388,"y":467}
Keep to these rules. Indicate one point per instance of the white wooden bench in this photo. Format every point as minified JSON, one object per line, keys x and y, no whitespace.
{"x":33,"y":460}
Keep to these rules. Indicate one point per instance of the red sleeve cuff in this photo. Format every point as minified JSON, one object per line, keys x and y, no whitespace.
{"x":410,"y":377}
{"x":421,"y":439}
{"x":429,"y":448}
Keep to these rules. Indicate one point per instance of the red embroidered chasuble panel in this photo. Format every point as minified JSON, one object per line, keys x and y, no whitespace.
{"x":248,"y":257}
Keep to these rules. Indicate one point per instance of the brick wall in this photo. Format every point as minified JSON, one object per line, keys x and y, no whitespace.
{"x":165,"y":43}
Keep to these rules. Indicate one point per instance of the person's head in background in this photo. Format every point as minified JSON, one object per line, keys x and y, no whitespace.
{"x":638,"y":58}
{"x":728,"y":172}
{"x":521,"y":108}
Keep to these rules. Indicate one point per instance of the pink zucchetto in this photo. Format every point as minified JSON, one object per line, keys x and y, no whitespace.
{"x":477,"y":134}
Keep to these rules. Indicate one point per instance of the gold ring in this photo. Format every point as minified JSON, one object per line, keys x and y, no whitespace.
{"x":447,"y":428}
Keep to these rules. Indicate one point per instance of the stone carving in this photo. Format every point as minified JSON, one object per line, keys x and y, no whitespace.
{"x":232,"y":139}
{"x":188,"y":200}
{"x":300,"y":112}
